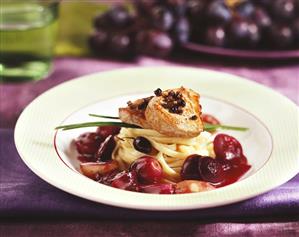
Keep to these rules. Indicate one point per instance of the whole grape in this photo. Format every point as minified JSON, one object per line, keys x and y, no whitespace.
{"x":296,"y":31}
{"x":280,"y":36}
{"x":115,"y":18}
{"x":245,"y":9}
{"x":261,"y":18}
{"x":121,"y":45}
{"x":297,"y":7}
{"x":264,"y":3}
{"x":215,"y":36}
{"x":148,"y":169}
{"x":143,"y":6}
{"x":217,"y":11}
{"x":98,"y":41}
{"x":181,"y":31}
{"x":161,"y":18}
{"x":283,"y":9}
{"x":243,"y":33}
{"x":177,"y":7}
{"x":196,"y":10}
{"x":154,"y":43}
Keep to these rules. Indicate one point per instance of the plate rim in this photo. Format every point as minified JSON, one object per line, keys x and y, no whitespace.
{"x":150,"y":207}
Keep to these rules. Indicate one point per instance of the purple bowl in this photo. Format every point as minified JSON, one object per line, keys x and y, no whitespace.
{"x":239,"y":53}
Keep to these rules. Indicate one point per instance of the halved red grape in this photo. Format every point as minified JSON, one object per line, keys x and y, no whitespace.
{"x":105,"y":131}
{"x":148,"y":169}
{"x":190,"y":167}
{"x":228,"y":147}
{"x":88,"y":143}
{"x":105,"y":149}
{"x":211,"y":170}
{"x":158,"y":188}
{"x":125,"y":180}
{"x":207,"y":118}
{"x":107,"y":178}
{"x":95,"y":169}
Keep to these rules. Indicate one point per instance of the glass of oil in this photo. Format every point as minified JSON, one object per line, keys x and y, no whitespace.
{"x":27,"y":38}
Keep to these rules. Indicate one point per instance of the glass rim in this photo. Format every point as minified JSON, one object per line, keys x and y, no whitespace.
{"x":44,"y":2}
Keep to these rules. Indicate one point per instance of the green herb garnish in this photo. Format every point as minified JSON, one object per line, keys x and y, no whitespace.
{"x":103,"y":116}
{"x":213,"y":127}
{"x":207,"y":127}
{"x":95,"y":124}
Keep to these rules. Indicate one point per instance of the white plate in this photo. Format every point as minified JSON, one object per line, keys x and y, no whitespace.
{"x":271,"y":144}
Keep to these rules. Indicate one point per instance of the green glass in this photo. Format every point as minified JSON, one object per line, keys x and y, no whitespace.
{"x":27,"y":36}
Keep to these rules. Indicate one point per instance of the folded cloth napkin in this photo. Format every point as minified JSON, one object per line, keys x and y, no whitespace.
{"x":23,"y":194}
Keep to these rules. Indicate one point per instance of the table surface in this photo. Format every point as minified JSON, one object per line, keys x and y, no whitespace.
{"x":281,"y":76}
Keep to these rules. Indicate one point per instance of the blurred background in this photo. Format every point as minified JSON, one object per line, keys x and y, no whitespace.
{"x":159,"y":28}
{"x":60,"y":40}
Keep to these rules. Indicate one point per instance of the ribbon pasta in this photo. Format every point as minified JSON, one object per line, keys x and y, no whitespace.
{"x":171,"y":152}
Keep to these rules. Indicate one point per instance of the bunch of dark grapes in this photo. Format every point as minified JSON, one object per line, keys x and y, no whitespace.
{"x":153,"y":28}
{"x":114,"y":33}
{"x":245,"y":24}
{"x":157,"y":27}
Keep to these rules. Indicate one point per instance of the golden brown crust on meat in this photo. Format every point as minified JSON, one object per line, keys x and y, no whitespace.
{"x":134,"y":113}
{"x":158,"y":113}
{"x":172,"y":124}
{"x":133,"y":116}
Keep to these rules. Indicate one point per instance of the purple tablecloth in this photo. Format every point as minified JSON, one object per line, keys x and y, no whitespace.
{"x":23,"y":194}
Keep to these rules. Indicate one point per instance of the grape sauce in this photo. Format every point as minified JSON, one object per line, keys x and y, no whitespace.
{"x":145,"y":174}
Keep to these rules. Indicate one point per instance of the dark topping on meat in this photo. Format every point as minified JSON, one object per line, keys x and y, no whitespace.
{"x":194,"y":117}
{"x":173,"y":102}
{"x":141,"y":104}
{"x":158,"y":92}
{"x":173,"y":109}
{"x":171,"y":93}
{"x":182,"y":103}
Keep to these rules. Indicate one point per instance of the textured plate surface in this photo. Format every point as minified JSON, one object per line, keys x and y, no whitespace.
{"x":271,"y":144}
